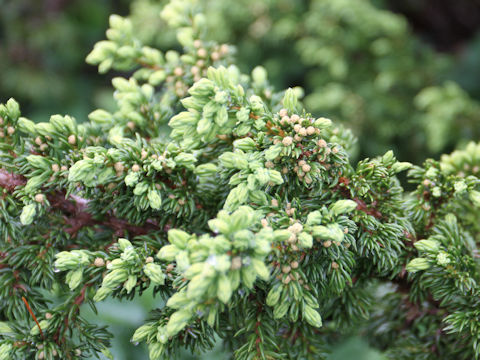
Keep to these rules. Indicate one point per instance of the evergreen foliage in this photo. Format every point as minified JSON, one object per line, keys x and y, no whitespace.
{"x":240,"y":209}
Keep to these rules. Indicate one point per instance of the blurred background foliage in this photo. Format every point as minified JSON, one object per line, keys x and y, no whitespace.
{"x":404,"y":75}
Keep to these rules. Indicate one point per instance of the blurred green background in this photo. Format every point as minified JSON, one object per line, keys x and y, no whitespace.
{"x":402,"y":74}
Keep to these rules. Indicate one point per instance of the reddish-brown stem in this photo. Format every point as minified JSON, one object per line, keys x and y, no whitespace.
{"x":33,"y":316}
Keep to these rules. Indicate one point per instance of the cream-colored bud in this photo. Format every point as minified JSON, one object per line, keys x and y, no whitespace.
{"x":283,"y":112}
{"x":215,"y":56}
{"x":55,"y":168}
{"x":274,"y":202}
{"x":322,"y":143}
{"x":178,"y":71}
{"x":297,"y":138}
{"x":118,"y":166}
{"x":294,"y":264}
{"x":40,"y":198}
{"x":197,"y":43}
{"x":310,"y":130}
{"x":301,"y":162}
{"x":64,"y":168}
{"x":149,"y":260}
{"x":135,"y":168}
{"x":286,"y":269}
{"x":327,"y":243}
{"x":72,"y":139}
{"x":202,"y":52}
{"x":287,"y":141}
{"x":38,"y":140}
{"x":10,"y":130}
{"x":302,"y":132}
{"x":224,"y":49}
{"x":306,"y":168}
{"x":99,"y":262}
{"x":269,"y":165}
{"x":335,"y":265}
{"x":131,"y":125}
{"x":295,"y":118}
{"x":48,"y":316}
{"x":236,"y":263}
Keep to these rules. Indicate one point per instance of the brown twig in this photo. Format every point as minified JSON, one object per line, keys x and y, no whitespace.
{"x":33,"y":316}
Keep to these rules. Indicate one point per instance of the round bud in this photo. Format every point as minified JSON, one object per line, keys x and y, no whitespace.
{"x":38,"y":141}
{"x":302,"y":131}
{"x":297,"y":138}
{"x":322,"y":143}
{"x":236,"y":263}
{"x":40,"y":198}
{"x":10,"y":130}
{"x":306,"y":168}
{"x":149,"y":260}
{"x":297,"y":128}
{"x":99,"y":262}
{"x":224,"y":49}
{"x":181,"y":201}
{"x":301,"y":162}
{"x":178,"y":71}
{"x":41,"y":355}
{"x":135,"y":168}
{"x":286,"y":269}
{"x":144,"y":154}
{"x":283,"y":112}
{"x":55,"y":168}
{"x":118,"y":166}
{"x":286,"y":280}
{"x":131,"y":125}
{"x":78,"y":352}
{"x":48,"y":316}
{"x":335,"y":265}
{"x":72,"y":139}
{"x":294,"y":264}
{"x":274,"y":202}
{"x":295,"y":118}
{"x":215,"y":56}
{"x":2,"y":134}
{"x":63,"y":168}
{"x":43,"y":147}
{"x":197,"y":43}
{"x":195,"y":70}
{"x":269,"y":165}
{"x":310,"y":130}
{"x":327,"y":243}
{"x":287,"y":141}
{"x":202,"y":52}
